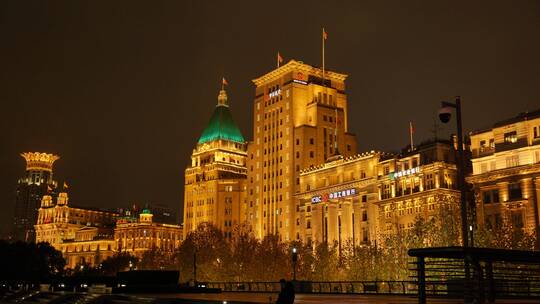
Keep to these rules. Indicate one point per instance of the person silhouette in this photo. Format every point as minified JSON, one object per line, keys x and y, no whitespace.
{"x":286,"y":295}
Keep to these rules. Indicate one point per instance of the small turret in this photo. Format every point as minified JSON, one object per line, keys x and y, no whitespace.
{"x":46,"y":201}
{"x":62,"y":199}
{"x":146,"y":216}
{"x":222,"y":98}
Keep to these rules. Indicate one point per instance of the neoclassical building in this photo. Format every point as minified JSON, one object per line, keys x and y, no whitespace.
{"x":215,"y":183}
{"x":506,"y":170}
{"x":418,"y":183}
{"x":336,"y":200}
{"x":83,"y":235}
{"x":90,"y":247}
{"x":366,"y":197}
{"x":139,"y":235}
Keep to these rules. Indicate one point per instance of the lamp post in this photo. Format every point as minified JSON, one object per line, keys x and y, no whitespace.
{"x":294,"y":260}
{"x":444,"y":114}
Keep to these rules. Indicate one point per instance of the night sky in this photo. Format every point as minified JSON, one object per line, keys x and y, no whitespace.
{"x":122,"y":90}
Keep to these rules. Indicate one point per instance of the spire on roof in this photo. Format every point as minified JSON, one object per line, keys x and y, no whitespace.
{"x":221,"y":124}
{"x":222,"y":98}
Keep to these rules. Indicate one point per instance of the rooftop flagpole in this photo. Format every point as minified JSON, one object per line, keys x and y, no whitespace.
{"x":411,"y":131}
{"x":324,"y":36}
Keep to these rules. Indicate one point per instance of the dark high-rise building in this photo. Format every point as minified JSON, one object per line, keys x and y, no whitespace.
{"x":37,"y":181}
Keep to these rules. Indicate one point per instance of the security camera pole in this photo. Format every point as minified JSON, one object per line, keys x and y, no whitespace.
{"x":444,"y":115}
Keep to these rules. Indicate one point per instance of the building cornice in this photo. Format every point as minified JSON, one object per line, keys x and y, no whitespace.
{"x":339,"y":162}
{"x":294,"y":65}
{"x":519,"y":171}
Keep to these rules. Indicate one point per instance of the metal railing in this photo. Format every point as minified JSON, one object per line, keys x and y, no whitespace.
{"x":476,"y":274}
{"x":324,"y":287}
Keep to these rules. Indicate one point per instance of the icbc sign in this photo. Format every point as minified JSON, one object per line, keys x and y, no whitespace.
{"x":338,"y":194}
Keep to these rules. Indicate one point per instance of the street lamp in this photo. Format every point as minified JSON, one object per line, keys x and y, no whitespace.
{"x":445,"y":113}
{"x":294,"y":260}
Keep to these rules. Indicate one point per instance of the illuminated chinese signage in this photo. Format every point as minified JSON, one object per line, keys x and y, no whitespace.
{"x":403,"y":173}
{"x":332,"y":195}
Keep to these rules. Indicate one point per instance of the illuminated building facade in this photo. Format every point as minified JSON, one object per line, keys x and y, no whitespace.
{"x":136,"y":236}
{"x":83,"y":235}
{"x":363,"y":198}
{"x":215,"y":182}
{"x":418,"y":183}
{"x":38,"y":181}
{"x":336,"y":200}
{"x":300,"y":120}
{"x":90,"y":247}
{"x":506,"y":168}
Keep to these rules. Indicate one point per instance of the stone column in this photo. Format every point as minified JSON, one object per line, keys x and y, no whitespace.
{"x":503,"y":191}
{"x":357,"y":209}
{"x":527,"y":193}
{"x":316,"y":222}
{"x":346,"y":221}
{"x":332,"y":222}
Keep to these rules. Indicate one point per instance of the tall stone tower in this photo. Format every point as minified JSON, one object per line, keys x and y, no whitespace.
{"x":300,"y":120}
{"x":37,"y":182}
{"x":214,"y":189}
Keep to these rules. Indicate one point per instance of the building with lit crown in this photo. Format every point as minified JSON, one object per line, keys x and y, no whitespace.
{"x":215,"y":182}
{"x":506,"y":170}
{"x":299,"y":120}
{"x":139,"y":235}
{"x":37,"y":181}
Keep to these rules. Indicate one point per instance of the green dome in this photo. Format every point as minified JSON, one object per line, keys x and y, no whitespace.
{"x":146,"y":211}
{"x":221,"y":125}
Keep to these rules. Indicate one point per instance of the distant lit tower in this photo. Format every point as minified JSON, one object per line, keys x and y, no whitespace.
{"x":214,"y":189}
{"x":37,"y":182}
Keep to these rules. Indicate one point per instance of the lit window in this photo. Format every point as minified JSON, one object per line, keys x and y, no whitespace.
{"x":510,"y":137}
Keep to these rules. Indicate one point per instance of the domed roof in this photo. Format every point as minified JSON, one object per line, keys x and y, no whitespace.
{"x":221,"y":124}
{"x":146,"y":211}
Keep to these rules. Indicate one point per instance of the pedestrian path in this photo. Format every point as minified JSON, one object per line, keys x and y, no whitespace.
{"x":319,"y":298}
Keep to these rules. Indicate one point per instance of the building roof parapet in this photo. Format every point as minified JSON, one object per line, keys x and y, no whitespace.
{"x":340,"y":161}
{"x":294,"y":65}
{"x":518,"y":118}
